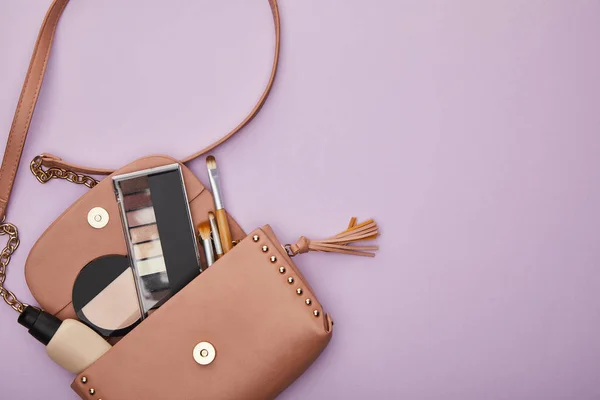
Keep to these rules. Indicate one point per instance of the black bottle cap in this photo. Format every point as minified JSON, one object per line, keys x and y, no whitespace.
{"x":28,"y":317}
{"x":41,"y":324}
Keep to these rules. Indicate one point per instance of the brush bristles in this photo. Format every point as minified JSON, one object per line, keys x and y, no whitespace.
{"x":204,"y":230}
{"x":211,"y":215}
{"x":211,"y":163}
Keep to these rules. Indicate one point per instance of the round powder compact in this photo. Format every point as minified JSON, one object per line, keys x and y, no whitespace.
{"x":105,"y":296}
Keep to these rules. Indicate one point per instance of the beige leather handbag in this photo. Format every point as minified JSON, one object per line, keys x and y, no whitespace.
{"x":262,"y":321}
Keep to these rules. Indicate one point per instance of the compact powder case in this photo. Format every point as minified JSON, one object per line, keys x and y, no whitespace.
{"x":105,"y":296}
{"x":160,"y":235}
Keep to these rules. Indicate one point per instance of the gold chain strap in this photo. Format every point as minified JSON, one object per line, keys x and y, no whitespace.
{"x":12,"y":244}
{"x":13,"y":234}
{"x":59,"y":173}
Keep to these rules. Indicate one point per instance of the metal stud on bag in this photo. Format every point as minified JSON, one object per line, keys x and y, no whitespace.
{"x":290,"y":279}
{"x":204,"y":353}
{"x":98,"y":217}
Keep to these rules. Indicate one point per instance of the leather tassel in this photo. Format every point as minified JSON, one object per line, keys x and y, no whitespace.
{"x":343,"y":242}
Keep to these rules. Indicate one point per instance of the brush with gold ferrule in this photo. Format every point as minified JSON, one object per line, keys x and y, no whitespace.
{"x":204,"y":231}
{"x":220,"y":213}
{"x":215,"y":234}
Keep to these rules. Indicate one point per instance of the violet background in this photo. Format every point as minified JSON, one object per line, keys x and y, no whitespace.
{"x":469,"y":129}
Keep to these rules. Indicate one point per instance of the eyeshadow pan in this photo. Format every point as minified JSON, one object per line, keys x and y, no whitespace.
{"x":151,"y":266}
{"x":143,"y":216}
{"x":134,"y":185}
{"x":147,"y":249}
{"x":155,"y":289}
{"x":143,"y":233}
{"x":137,"y":200}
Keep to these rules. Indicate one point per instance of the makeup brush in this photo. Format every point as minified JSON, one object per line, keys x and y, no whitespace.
{"x":224,"y":233}
{"x":215,"y":234}
{"x":204,"y":230}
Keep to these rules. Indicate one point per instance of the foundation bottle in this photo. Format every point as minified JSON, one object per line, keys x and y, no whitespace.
{"x":69,"y":343}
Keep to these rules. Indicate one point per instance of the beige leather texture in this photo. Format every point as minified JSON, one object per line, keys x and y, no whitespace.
{"x":71,"y":242}
{"x":263,"y":332}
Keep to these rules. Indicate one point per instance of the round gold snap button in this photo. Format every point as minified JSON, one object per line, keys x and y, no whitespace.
{"x":204,"y":353}
{"x":98,"y":217}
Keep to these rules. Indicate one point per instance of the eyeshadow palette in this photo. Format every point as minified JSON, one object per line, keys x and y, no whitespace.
{"x":159,"y":231}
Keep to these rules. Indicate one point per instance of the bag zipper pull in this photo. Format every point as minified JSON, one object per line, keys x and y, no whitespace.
{"x":343,"y":243}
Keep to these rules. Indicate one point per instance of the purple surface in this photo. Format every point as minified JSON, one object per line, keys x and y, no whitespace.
{"x":470,"y":130}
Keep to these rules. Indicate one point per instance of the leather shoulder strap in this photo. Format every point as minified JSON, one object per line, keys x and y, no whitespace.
{"x":31,"y":91}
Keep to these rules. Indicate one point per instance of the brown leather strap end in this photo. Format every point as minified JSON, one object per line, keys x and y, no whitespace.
{"x":51,"y":161}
